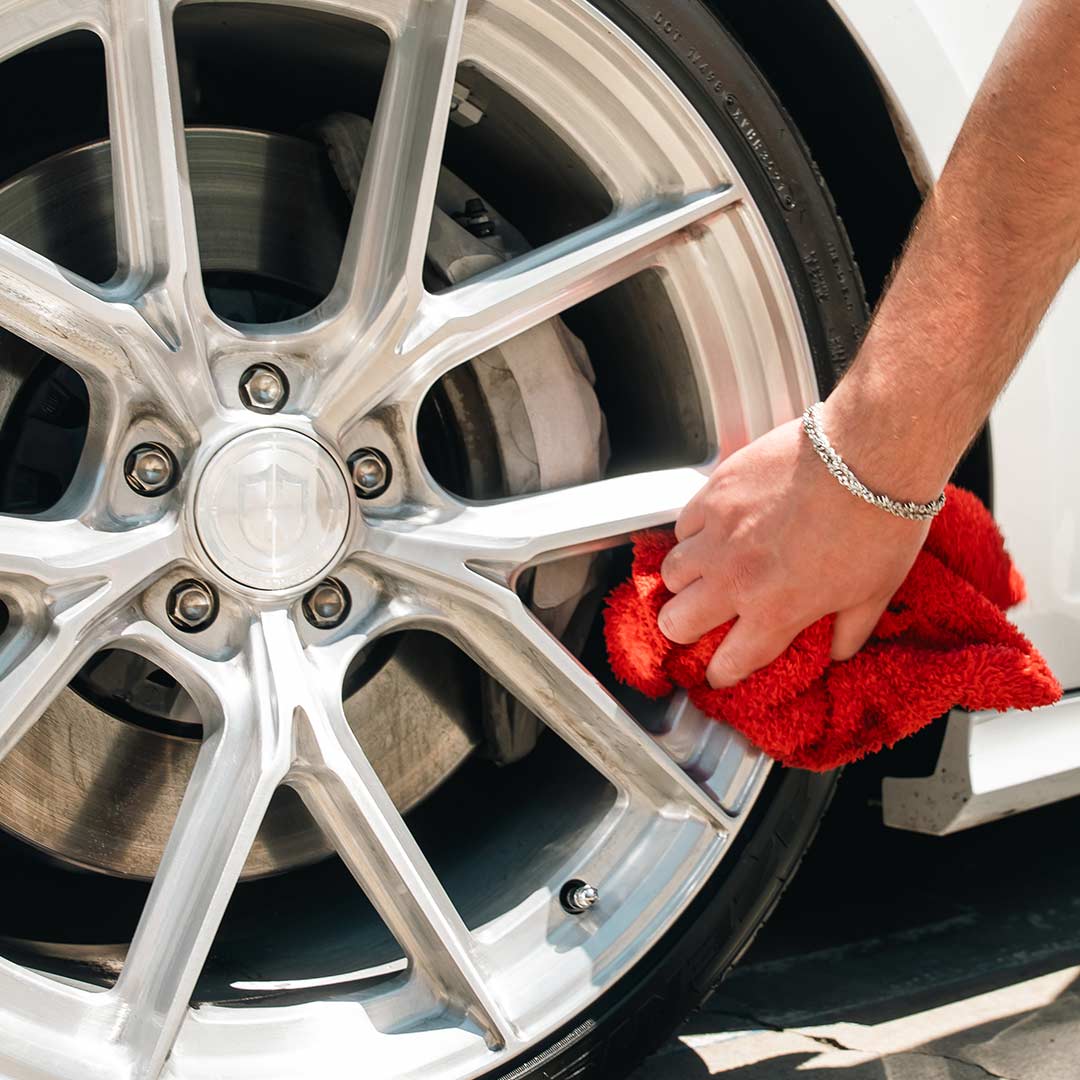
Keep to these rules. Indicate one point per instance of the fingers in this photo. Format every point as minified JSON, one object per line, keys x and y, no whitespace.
{"x":693,"y":612}
{"x":692,"y":519}
{"x":751,"y":645}
{"x":683,"y":563}
{"x":748,"y":646}
{"x":854,"y":626}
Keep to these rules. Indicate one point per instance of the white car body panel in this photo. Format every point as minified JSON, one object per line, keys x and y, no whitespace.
{"x":987,"y":770}
{"x":930,"y":57}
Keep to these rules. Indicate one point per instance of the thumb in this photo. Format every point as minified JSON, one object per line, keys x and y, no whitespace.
{"x":854,"y":626}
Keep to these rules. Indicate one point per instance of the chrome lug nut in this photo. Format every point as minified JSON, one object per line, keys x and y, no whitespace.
{"x":327,"y":605}
{"x":192,"y":606}
{"x":264,"y":388}
{"x":371,"y":473}
{"x":578,"y":896}
{"x":150,"y":470}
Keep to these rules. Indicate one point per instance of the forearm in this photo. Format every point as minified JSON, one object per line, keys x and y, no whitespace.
{"x":991,"y":248}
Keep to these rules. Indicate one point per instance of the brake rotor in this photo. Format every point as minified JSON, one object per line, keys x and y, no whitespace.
{"x":98,"y":781}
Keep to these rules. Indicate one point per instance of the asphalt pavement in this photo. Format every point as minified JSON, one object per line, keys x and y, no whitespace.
{"x":895,"y":956}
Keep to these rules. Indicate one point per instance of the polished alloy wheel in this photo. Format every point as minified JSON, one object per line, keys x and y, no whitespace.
{"x":253,"y":512}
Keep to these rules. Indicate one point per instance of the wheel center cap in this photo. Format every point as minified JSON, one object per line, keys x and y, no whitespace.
{"x":272,"y":509}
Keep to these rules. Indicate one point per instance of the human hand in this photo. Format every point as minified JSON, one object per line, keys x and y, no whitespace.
{"x":774,"y":540}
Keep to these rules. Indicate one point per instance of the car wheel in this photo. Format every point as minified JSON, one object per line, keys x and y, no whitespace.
{"x":325,"y":422}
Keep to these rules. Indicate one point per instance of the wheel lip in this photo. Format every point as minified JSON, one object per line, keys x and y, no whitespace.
{"x":192,"y":1059}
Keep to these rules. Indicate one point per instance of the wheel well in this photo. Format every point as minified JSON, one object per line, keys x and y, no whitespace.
{"x":823,"y":79}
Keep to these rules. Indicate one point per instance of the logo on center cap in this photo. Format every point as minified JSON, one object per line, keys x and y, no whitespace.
{"x":274,"y":507}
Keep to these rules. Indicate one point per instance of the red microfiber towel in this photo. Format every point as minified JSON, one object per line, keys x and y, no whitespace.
{"x":944,"y":641}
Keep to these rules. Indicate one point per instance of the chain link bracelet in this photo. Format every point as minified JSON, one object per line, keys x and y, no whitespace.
{"x":912,"y":511}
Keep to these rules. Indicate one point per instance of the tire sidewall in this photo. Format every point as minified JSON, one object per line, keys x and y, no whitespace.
{"x":688,"y":41}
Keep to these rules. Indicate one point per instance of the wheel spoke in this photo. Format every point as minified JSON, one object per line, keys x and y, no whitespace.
{"x":462,"y":323}
{"x":32,"y":678}
{"x":514,"y":297}
{"x":51,"y":19}
{"x":67,"y":552}
{"x":154,"y":215}
{"x":67,"y":582}
{"x":500,"y":538}
{"x":354,"y":810}
{"x":383,"y":260}
{"x":465,"y":569}
{"x":482,"y":613}
{"x":122,"y":358}
{"x":243,"y":759}
{"x":504,"y":637}
{"x":69,"y":317}
{"x":156,"y":235}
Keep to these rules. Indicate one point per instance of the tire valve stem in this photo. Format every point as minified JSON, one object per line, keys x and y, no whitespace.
{"x":577,"y":897}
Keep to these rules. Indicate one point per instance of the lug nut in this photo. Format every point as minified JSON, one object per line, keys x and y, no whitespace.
{"x":371,"y":473}
{"x":327,"y":605}
{"x":192,"y":606}
{"x":150,"y":470}
{"x":264,"y":388}
{"x":578,"y":896}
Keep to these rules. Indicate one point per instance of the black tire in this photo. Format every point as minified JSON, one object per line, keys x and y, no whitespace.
{"x":637,"y":1015}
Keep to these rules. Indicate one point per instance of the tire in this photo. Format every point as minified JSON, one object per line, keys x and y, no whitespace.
{"x":696,"y":51}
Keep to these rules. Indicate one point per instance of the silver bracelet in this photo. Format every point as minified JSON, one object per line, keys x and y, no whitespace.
{"x":912,"y":511}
